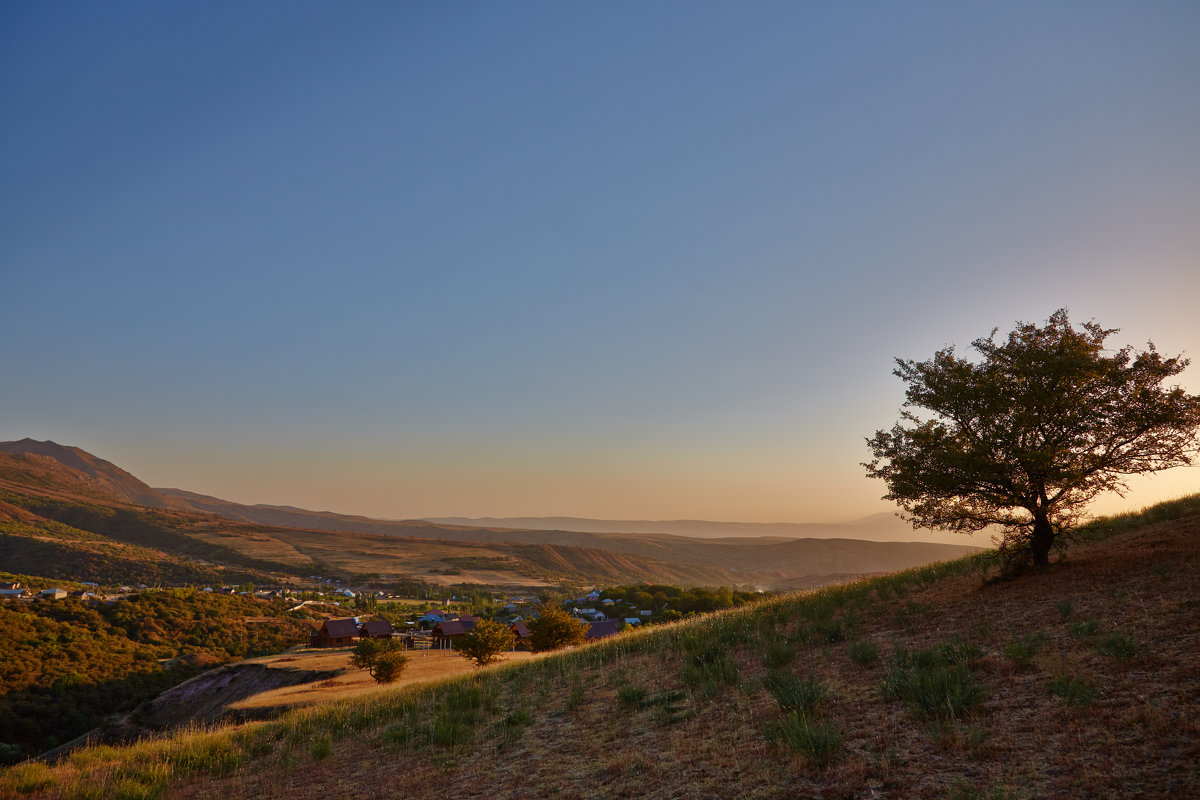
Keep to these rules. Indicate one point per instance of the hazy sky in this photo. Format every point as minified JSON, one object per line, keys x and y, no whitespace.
{"x":620,"y":259}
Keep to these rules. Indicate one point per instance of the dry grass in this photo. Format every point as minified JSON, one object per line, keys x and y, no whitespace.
{"x":684,"y":711}
{"x":424,"y":666}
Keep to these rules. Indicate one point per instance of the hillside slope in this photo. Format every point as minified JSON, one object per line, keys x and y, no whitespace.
{"x":59,"y":522}
{"x":291,"y":539}
{"x":769,"y":561}
{"x":1080,"y":681}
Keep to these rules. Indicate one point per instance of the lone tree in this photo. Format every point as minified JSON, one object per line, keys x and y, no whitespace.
{"x":1028,"y":434}
{"x":385,"y":659}
{"x":555,"y":628}
{"x":485,"y":642}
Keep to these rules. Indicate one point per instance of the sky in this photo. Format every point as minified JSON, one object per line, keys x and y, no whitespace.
{"x":625,"y":259}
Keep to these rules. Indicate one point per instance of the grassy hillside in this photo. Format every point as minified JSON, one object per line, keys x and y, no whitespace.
{"x":1081,"y":681}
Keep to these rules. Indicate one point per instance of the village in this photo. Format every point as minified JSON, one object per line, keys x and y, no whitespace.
{"x":427,"y":624}
{"x":438,"y":629}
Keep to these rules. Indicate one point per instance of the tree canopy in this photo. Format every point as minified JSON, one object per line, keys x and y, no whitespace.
{"x":485,"y":642}
{"x":385,"y":659}
{"x":1028,"y":434}
{"x":555,"y":628}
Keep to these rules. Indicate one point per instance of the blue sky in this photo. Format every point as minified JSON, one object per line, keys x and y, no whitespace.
{"x":637,"y":260}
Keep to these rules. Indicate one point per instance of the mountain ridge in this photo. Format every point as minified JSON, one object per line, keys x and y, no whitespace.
{"x":296,"y":536}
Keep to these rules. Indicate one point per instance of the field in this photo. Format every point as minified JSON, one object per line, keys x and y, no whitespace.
{"x":423,"y":666}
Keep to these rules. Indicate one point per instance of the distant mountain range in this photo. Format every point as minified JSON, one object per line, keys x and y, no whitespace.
{"x":877,"y":527}
{"x":775,"y":555}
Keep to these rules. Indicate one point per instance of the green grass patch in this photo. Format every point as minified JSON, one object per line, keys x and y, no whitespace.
{"x":820,"y":743}
{"x":1117,"y":645}
{"x":794,"y":693}
{"x":933,"y":683}
{"x":1076,"y":690}
{"x":778,"y":654}
{"x":1022,"y":649}
{"x":864,"y":653}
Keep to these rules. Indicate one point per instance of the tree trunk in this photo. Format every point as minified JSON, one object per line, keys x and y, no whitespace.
{"x":1041,"y":539}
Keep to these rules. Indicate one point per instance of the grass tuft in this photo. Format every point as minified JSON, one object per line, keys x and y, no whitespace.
{"x":1076,"y":690}
{"x":820,"y":743}
{"x":794,"y":693}
{"x":933,"y":683}
{"x":1022,"y":649}
{"x":864,"y":653}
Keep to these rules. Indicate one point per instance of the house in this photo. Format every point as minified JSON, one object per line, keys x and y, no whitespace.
{"x":608,"y":602}
{"x":602,"y":630}
{"x":444,"y":633}
{"x":52,"y":594}
{"x":521,"y":631}
{"x":12,"y":589}
{"x":633,"y":620}
{"x":431,"y":618}
{"x":336,"y":633}
{"x":645,"y":612}
{"x":375,"y":629}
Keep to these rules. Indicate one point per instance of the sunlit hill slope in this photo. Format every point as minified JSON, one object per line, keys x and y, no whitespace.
{"x":1079,"y":681}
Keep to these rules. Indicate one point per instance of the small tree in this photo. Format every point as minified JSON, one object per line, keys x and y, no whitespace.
{"x":385,"y":659}
{"x":1029,"y":434}
{"x":555,"y":628}
{"x":485,"y":642}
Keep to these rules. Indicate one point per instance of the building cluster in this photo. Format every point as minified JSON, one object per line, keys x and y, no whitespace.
{"x":438,"y":629}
